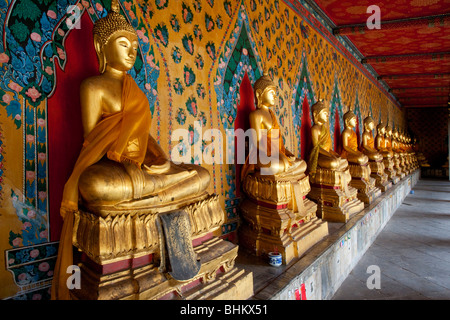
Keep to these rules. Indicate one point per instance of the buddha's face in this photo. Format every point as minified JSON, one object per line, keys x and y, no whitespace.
{"x":121,"y":50}
{"x":323,"y":116}
{"x":382,"y":130}
{"x":352,"y":122}
{"x":268,"y":97}
{"x":369,"y":126}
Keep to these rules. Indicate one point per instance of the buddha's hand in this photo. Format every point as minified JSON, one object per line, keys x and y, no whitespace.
{"x":157,"y":168}
{"x":292,"y":158}
{"x":137,"y":178}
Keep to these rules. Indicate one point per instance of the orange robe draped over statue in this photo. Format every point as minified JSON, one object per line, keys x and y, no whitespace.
{"x":352,"y":143}
{"x":249,"y":165}
{"x":324,"y":142}
{"x":121,"y":136}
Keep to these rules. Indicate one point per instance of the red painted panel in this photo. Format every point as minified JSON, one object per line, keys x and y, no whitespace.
{"x":65,"y":133}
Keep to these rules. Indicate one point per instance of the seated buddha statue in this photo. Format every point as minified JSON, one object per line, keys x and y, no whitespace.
{"x":275,"y":210}
{"x":329,"y":173}
{"x":120,"y":165}
{"x":381,"y":141}
{"x":358,"y":161}
{"x":350,"y":141}
{"x":376,"y":163}
{"x":368,"y":142}
{"x":268,"y":136}
{"x":322,"y":154}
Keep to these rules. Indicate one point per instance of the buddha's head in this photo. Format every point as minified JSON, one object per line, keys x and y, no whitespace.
{"x":265,"y":91}
{"x":395,"y":134}
{"x":368,"y":123}
{"x":349,"y":119}
{"x":381,"y":129}
{"x":115,"y":41}
{"x":320,"y":112}
{"x":388,"y":131}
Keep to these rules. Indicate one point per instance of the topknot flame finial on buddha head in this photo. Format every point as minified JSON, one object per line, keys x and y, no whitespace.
{"x":106,"y":27}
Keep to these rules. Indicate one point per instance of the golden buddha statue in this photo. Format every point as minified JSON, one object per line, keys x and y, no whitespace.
{"x":358,"y":161}
{"x":350,"y":141}
{"x":388,"y":155}
{"x":390,"y":141}
{"x":376,"y":164}
{"x":397,"y":148}
{"x":125,"y":201}
{"x":329,"y":173}
{"x":275,"y":190}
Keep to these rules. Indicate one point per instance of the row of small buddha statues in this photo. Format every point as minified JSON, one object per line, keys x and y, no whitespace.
{"x":143,"y":227}
{"x":277,"y":209}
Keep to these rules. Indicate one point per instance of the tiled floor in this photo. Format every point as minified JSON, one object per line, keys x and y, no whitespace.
{"x":412,"y":251}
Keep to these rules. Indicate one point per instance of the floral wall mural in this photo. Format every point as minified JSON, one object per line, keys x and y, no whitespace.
{"x":193,"y":57}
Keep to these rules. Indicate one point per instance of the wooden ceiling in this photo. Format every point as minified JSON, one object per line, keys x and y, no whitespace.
{"x":410,"y":53}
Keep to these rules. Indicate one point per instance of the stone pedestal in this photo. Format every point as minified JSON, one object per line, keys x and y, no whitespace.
{"x":277,"y":216}
{"x":336,"y":200}
{"x":364,"y":183}
{"x":122,"y":257}
{"x":398,"y":166}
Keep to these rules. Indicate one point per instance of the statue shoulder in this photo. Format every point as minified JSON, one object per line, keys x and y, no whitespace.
{"x":95,"y":83}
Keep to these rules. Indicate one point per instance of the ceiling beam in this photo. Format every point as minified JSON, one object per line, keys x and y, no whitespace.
{"x":442,"y":20}
{"x":432,"y":56}
{"x":414,"y":75}
{"x":405,"y":90}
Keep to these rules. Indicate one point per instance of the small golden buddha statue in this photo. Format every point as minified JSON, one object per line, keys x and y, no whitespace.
{"x":323,"y":155}
{"x":376,"y":164}
{"x":368,"y":142}
{"x":350,"y":141}
{"x":381,"y":141}
{"x":263,"y":121}
{"x":275,"y":190}
{"x":391,"y":136}
{"x":358,"y":161}
{"x":388,"y":155}
{"x":329,"y":173}
{"x":123,"y":191}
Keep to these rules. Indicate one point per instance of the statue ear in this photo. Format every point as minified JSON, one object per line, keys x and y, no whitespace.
{"x":100,"y":54}
{"x":257,"y":96}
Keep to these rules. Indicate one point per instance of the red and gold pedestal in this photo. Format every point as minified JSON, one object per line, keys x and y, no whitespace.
{"x":336,"y":200}
{"x":390,"y":170}
{"x":277,"y":216}
{"x":120,"y":257}
{"x":364,"y":183}
{"x":377,"y":171}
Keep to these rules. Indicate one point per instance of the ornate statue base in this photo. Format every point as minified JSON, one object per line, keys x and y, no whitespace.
{"x":124,"y":255}
{"x":364,"y":183}
{"x":390,"y":171}
{"x":398,"y":166}
{"x":377,"y":171}
{"x":273,"y":221}
{"x":336,"y":199}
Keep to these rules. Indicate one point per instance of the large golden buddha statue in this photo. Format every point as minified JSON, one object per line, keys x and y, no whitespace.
{"x":134,"y":216}
{"x":275,"y":187}
{"x":358,"y":161}
{"x":376,"y":164}
{"x":381,"y":144}
{"x":329,"y":173}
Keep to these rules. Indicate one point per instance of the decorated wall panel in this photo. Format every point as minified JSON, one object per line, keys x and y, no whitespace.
{"x":193,"y":58}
